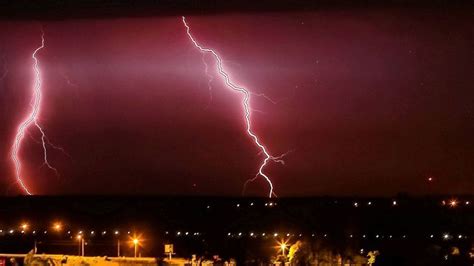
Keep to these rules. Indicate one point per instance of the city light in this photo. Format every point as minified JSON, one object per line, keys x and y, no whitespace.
{"x":283,"y":245}
{"x":453,"y":203}
{"x":136,"y":243}
{"x":24,"y":226}
{"x":57,"y":226}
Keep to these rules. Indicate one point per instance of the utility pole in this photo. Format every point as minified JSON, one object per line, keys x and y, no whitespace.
{"x":118,"y":248}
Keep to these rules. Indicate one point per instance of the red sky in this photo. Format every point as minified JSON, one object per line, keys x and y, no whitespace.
{"x":370,"y":102}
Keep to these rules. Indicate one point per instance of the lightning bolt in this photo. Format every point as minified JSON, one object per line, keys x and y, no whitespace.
{"x":246,"y":108}
{"x":31,"y":120}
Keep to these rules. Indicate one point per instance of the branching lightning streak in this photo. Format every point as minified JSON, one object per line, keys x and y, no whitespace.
{"x":246,"y":108}
{"x":31,"y":120}
{"x":277,"y":159}
{"x":210,"y":79}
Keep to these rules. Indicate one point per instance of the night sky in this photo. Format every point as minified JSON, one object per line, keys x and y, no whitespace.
{"x":368,"y":101}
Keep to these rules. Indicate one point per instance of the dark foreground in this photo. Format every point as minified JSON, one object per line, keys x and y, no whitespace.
{"x":404,"y":230}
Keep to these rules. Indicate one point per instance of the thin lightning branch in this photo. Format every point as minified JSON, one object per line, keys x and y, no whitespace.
{"x":246,"y":108}
{"x":44,"y":141}
{"x":31,"y":120}
{"x":61,"y":149}
{"x":210,"y":78}
{"x":267,"y":98}
{"x":277,"y":159}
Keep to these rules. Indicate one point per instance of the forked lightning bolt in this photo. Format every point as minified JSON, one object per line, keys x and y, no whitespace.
{"x":246,"y":108}
{"x":31,"y":120}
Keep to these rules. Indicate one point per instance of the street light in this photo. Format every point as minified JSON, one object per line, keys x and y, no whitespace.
{"x":57,"y":226}
{"x":283,"y":247}
{"x":116,"y":233}
{"x":135,"y":244}
{"x":24,"y":226}
{"x":453,"y":203}
{"x":81,"y":244}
